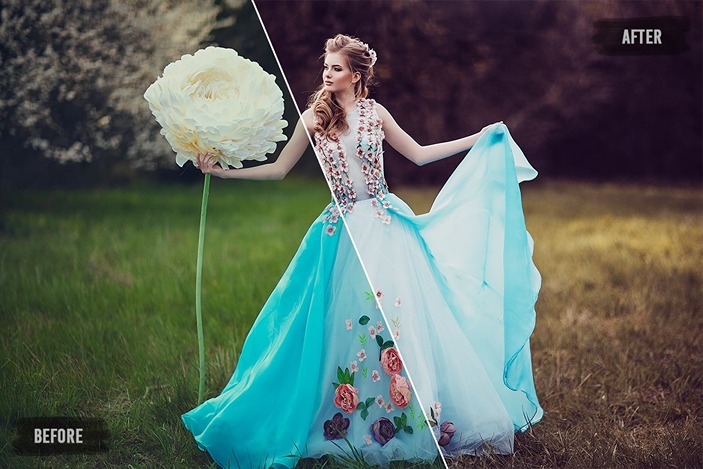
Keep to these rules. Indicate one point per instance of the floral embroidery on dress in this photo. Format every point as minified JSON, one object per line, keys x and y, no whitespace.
{"x":336,"y":427}
{"x":369,"y":149}
{"x":398,"y":392}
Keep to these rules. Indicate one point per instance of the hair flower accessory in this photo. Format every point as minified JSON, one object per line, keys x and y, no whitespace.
{"x":372,"y":53}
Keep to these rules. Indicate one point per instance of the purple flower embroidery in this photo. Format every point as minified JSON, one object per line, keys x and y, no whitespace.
{"x":336,"y":427}
{"x":383,"y":430}
{"x":446,"y":432}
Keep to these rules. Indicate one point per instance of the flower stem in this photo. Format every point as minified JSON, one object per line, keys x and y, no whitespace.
{"x":198,"y":288}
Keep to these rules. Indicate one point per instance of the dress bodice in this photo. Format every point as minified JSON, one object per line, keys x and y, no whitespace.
{"x":353,"y":161}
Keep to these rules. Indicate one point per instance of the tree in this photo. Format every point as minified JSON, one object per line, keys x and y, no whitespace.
{"x":72,"y":76}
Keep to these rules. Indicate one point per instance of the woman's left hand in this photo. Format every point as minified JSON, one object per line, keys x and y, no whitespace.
{"x":483,"y":130}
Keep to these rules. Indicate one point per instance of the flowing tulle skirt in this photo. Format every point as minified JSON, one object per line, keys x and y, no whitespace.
{"x":443,"y":300}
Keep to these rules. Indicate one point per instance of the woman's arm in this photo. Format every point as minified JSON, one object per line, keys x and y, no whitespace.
{"x":422,"y":154}
{"x":277,"y":170}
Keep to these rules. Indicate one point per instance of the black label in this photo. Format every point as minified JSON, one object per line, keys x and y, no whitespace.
{"x":41,"y":436}
{"x":660,"y":35}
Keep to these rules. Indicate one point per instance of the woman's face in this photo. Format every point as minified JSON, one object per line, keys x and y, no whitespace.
{"x":337,"y":77}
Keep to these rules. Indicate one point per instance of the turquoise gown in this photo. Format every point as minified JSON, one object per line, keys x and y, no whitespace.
{"x":402,"y":336}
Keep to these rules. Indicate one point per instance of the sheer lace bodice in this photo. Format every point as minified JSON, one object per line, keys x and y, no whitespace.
{"x":353,"y":163}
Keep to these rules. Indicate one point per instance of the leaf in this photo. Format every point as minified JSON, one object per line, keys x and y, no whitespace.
{"x":340,"y":374}
{"x":379,"y":340}
{"x":432,"y":413}
{"x":408,"y":429}
{"x":364,"y":413}
{"x":387,"y":344}
{"x":404,"y":419}
{"x":370,"y":401}
{"x":370,"y":295}
{"x":362,"y":339}
{"x":351,"y":379}
{"x":364,"y":320}
{"x":336,"y":385}
{"x":398,"y":422}
{"x":364,"y":371}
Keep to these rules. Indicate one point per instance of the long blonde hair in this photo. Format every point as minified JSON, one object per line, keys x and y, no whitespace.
{"x":329,"y":115}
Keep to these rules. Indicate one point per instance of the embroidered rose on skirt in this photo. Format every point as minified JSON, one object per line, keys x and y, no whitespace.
{"x":383,"y":430}
{"x":400,"y":391}
{"x":346,"y":397}
{"x":336,"y":427}
{"x":390,"y":361}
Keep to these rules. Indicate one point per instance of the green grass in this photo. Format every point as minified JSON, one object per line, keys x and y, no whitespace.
{"x":97,"y":295}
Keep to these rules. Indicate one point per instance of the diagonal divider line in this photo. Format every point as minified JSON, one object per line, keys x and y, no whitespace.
{"x":358,"y":256}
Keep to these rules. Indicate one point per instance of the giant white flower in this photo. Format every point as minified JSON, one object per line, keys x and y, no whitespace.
{"x":219,"y":102}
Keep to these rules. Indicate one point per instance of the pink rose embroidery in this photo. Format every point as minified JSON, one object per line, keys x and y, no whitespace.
{"x":400,"y":391}
{"x":346,"y":397}
{"x":391,"y":362}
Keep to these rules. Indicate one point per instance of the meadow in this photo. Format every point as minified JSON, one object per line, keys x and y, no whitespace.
{"x":97,"y":295}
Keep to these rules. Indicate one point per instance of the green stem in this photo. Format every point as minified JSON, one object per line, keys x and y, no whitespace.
{"x":198,"y":288}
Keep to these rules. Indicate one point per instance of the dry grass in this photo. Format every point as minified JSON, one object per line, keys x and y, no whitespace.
{"x":618,"y":347}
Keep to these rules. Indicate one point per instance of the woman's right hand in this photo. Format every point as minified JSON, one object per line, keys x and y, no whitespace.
{"x":206,"y":164}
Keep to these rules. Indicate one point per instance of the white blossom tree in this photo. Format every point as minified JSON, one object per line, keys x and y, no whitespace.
{"x":72,"y":74}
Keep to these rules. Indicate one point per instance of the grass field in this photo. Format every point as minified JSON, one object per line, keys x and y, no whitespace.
{"x":97,"y":289}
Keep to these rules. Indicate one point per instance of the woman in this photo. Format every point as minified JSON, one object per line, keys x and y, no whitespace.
{"x":328,"y":364}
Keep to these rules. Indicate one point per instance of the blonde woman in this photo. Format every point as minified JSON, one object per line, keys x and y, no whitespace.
{"x":403,"y":336}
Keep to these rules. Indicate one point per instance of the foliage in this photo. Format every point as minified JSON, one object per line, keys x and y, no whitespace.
{"x":73,"y":74}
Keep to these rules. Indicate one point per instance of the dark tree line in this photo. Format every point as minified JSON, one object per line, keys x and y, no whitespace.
{"x":445,"y":69}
